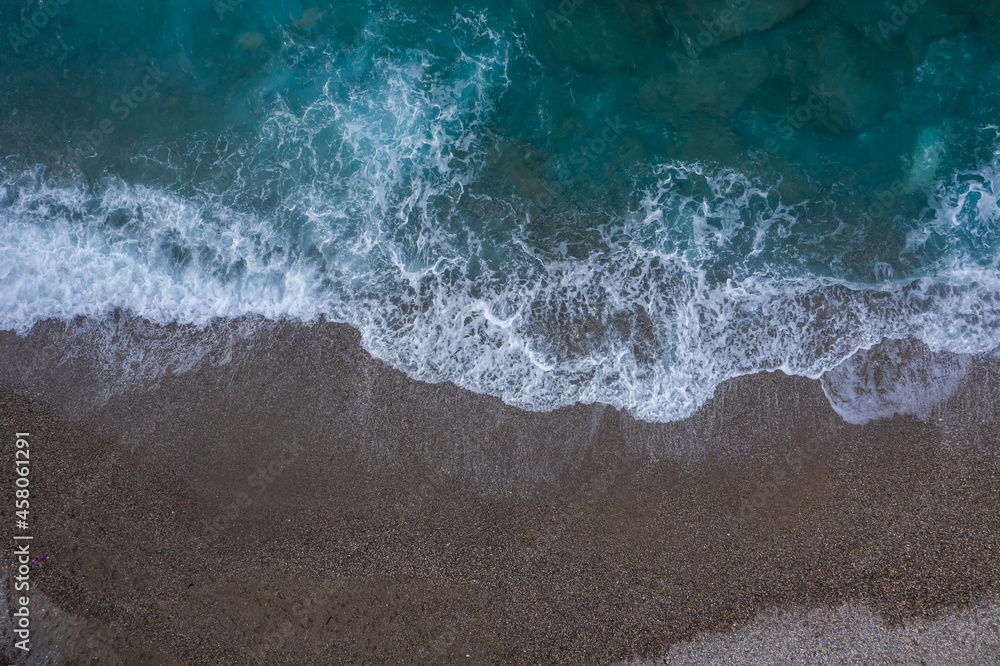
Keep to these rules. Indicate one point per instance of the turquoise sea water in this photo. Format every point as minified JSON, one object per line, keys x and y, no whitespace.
{"x":625,"y":202}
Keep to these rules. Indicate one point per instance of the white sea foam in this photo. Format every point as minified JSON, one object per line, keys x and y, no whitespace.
{"x":633,"y":326}
{"x":672,"y":297}
{"x":896,"y":377}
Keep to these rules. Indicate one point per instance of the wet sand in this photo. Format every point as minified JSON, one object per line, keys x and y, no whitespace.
{"x":284,"y":498}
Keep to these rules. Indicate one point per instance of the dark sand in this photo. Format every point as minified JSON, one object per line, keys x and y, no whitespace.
{"x":402,"y":522}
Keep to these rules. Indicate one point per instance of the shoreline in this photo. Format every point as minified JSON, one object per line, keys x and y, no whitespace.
{"x":392,"y":521}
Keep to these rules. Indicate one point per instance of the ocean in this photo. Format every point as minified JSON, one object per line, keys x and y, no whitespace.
{"x":553,"y":203}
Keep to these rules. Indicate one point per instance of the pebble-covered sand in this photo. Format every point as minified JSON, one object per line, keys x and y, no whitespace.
{"x":296,"y":502}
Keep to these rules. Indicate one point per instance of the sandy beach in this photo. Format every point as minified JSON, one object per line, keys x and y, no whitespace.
{"x":286,"y":499}
{"x":591,"y":333}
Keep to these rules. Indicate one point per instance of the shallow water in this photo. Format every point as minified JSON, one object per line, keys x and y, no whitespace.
{"x":581,"y":201}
